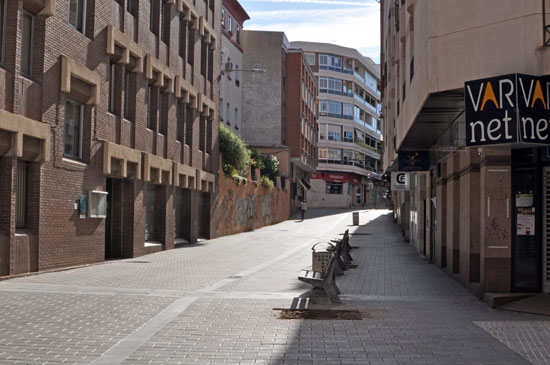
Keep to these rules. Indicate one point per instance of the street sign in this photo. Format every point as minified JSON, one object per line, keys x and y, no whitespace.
{"x":400,"y":181}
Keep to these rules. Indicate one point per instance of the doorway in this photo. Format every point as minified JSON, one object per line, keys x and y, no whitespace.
{"x":526,"y":221}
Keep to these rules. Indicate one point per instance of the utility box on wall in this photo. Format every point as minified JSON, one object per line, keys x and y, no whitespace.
{"x":97,"y":201}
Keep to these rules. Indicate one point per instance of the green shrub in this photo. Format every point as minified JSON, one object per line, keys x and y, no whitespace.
{"x":267,"y":182}
{"x":256,"y":158}
{"x":234,"y":152}
{"x":271,"y":167}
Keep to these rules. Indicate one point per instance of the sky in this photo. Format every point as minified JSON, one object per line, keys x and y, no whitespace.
{"x":348,"y":23}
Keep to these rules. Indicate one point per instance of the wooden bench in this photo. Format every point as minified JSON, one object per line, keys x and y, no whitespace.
{"x":324,"y":280}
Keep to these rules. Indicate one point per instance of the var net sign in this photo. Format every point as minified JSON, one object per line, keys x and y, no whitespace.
{"x":507,"y":109}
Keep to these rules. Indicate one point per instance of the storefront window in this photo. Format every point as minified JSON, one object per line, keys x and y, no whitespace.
{"x":334,"y":188}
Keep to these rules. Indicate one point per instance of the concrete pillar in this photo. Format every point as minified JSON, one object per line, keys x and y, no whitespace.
{"x":453,"y":217}
{"x":441,"y":220}
{"x":469,"y":219}
{"x":7,"y":213}
{"x":422,"y":207}
{"x":169,"y":221}
{"x":138,"y":195}
{"x":495,"y":226}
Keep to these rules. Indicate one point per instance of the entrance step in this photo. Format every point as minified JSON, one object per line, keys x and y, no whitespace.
{"x":536,"y":304}
{"x":497,"y":299}
{"x":152,"y":247}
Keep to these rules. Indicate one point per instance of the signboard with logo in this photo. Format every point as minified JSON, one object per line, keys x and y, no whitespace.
{"x":507,"y":109}
{"x":332,"y":177}
{"x":413,"y":160}
{"x":400,"y":181}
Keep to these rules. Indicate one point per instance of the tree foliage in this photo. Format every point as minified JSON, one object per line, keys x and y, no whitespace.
{"x":235,"y":155}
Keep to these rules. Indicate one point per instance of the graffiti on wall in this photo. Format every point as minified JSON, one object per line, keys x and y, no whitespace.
{"x":246,"y":208}
{"x":266,"y":206}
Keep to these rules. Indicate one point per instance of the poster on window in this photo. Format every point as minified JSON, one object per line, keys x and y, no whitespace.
{"x":525,"y":222}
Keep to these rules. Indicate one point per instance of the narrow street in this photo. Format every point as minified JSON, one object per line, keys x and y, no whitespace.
{"x":213,"y":302}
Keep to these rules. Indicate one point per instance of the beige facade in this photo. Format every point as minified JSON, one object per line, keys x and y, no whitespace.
{"x":350,"y":136}
{"x":463,"y":213}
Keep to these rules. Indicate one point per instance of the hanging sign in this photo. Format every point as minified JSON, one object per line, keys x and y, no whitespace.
{"x":507,"y":109}
{"x":400,"y":181}
{"x":413,"y":160}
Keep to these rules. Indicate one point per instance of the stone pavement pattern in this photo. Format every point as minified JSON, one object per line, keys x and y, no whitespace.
{"x":213,"y":303}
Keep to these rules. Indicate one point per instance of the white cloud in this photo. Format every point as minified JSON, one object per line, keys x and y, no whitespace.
{"x":357,"y":28}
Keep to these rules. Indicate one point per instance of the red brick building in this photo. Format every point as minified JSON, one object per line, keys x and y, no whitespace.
{"x":108,"y":128}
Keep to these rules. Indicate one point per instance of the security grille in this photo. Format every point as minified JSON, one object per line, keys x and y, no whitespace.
{"x":21,"y":194}
{"x":546,"y":238}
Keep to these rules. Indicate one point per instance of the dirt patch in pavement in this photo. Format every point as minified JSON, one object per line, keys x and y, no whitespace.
{"x":323,"y":314}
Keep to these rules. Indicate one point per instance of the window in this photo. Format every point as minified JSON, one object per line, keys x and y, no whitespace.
{"x":27,"y":30}
{"x":189,"y":119}
{"x":348,"y":111}
{"x":348,"y":134}
{"x":149,"y":98}
{"x":332,"y":63}
{"x":236,"y":120}
{"x":237,"y":75}
{"x":230,"y":24}
{"x":2,"y":28}
{"x":112,"y":81}
{"x":180,"y":122}
{"x":330,"y":85}
{"x":322,"y":131}
{"x":227,"y":111}
{"x":221,"y":108}
{"x":127,"y":94}
{"x":334,"y":187}
{"x":334,"y":133}
{"x":165,"y":22}
{"x":310,"y":58}
{"x":182,"y":37}
{"x":191,"y":47}
{"x":348,"y":157}
{"x":162,"y":110}
{"x":129,"y":5}
{"x":238,"y":34}
{"x":223,"y":18}
{"x":334,"y":155}
{"x":22,"y":174}
{"x":73,"y":129}
{"x":77,"y":14}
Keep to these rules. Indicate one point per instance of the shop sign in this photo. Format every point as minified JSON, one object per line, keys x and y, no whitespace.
{"x":413,"y":160}
{"x":507,"y":109}
{"x":400,"y":181}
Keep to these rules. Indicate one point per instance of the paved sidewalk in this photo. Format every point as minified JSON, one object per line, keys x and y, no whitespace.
{"x":213,"y":303}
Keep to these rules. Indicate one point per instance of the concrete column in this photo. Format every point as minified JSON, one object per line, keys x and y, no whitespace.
{"x":495,"y":226}
{"x":169,"y":221}
{"x":469,"y":219}
{"x":138,"y":195}
{"x":453,"y":217}
{"x":7,"y":213}
{"x":441,"y":220}
{"x":421,"y":212}
{"x":429,"y":217}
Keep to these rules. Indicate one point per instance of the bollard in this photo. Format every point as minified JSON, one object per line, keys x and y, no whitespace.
{"x":355,"y":218}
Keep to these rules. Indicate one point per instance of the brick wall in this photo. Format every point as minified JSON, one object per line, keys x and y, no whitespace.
{"x":64,"y":238}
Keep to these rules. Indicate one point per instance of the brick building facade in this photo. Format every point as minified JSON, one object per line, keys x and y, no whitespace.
{"x":108,"y":128}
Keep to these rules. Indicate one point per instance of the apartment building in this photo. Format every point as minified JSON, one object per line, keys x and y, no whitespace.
{"x":350,"y":136}
{"x":279,"y":106}
{"x":466,"y":119}
{"x":233,"y":17}
{"x":108,"y":128}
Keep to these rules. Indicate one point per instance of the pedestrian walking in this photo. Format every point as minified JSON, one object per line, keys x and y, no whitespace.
{"x":303,"y":208}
